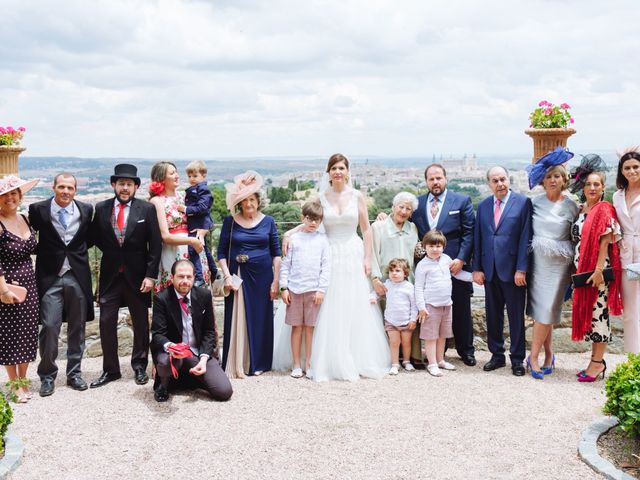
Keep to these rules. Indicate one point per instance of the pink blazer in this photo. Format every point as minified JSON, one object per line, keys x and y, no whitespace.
{"x":630,"y":222}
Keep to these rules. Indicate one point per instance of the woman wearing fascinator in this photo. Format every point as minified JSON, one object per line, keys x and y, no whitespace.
{"x":595,"y":234}
{"x":349,"y":339}
{"x":552,"y":255}
{"x":627,"y":203}
{"x":249,"y":252}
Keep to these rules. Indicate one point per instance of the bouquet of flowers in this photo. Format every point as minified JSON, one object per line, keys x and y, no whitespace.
{"x":548,"y":115}
{"x":11,"y":136}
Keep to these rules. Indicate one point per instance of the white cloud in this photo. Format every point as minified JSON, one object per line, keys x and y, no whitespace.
{"x":171,"y":78}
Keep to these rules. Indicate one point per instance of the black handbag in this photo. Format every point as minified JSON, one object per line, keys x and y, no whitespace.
{"x":580,"y":279}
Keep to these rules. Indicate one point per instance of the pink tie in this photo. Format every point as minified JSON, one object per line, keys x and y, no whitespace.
{"x":496,"y":212}
{"x":434,"y":208}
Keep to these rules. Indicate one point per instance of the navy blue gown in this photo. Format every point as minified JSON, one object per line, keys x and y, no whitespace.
{"x":260,"y":244}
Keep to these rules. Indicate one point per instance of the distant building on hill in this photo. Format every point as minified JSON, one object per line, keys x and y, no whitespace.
{"x":464,"y":164}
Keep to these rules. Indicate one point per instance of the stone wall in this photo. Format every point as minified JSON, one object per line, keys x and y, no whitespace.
{"x":561,"y":336}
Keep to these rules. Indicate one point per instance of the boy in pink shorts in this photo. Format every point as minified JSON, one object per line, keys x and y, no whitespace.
{"x":304,"y":278}
{"x":433,"y":299}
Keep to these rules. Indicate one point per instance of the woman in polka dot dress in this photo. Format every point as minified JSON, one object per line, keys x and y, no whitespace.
{"x":18,"y":321}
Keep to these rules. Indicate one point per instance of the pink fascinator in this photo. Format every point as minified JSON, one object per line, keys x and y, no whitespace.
{"x":243,"y":186}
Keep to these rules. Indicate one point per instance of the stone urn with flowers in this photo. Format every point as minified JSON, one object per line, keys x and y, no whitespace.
{"x":550,"y":127}
{"x":10,"y":149}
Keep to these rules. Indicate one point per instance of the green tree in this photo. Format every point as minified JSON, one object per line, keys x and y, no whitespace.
{"x":219,"y":206}
{"x":280,"y":195}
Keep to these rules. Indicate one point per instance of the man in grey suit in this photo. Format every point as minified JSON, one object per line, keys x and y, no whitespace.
{"x":64,"y":279}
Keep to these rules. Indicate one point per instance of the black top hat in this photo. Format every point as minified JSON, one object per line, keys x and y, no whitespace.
{"x":125,"y":170}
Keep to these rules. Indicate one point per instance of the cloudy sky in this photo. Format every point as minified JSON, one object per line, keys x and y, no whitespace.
{"x":212,"y":79}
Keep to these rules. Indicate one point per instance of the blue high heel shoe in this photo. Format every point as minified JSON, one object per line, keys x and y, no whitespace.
{"x":549,"y":370}
{"x":537,"y":374}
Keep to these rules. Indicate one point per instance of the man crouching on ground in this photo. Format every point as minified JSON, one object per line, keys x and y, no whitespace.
{"x":183,"y":316}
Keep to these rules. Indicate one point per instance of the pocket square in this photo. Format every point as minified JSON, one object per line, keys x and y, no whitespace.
{"x":454,"y":212}
{"x":141,"y":221}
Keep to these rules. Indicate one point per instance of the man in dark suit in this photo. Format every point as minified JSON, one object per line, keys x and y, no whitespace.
{"x":452,"y":214}
{"x":64,"y":279}
{"x":126,"y":230}
{"x":184,"y":314}
{"x":500,"y":262}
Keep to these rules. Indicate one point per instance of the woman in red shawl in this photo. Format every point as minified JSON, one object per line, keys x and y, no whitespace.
{"x":596,"y":233}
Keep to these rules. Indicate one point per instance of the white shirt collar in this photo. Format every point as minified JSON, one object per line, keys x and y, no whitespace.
{"x":56,"y":208}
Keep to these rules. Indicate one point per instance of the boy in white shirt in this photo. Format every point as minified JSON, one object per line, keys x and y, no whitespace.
{"x":433,"y":299}
{"x":304,"y":278}
{"x":400,"y":313}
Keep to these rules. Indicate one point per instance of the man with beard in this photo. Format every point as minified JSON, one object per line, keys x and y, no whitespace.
{"x":183,"y":316}
{"x":126,"y":230}
{"x":452,"y":214}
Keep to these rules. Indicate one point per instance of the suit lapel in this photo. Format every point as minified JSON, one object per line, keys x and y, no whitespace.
{"x":105,"y":219}
{"x":132,"y":220}
{"x":196,"y":317}
{"x":444,"y":211}
{"x":420,"y":216}
{"x":176,"y":312}
{"x":507,"y":208}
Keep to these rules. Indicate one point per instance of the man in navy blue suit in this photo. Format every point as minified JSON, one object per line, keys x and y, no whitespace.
{"x":452,"y":214}
{"x":502,"y":236}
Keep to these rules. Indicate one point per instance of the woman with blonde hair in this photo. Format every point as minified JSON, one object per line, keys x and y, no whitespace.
{"x":551,"y":255}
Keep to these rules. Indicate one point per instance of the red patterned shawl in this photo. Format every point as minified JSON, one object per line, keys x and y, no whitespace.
{"x":597,"y":222}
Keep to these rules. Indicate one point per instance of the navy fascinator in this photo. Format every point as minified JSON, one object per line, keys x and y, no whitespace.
{"x":554,"y":158}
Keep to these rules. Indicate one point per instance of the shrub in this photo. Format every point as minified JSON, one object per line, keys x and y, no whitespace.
{"x":6,"y":417}
{"x":623,"y":395}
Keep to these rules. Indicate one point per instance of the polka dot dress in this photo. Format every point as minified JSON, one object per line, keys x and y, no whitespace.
{"x":18,"y":322}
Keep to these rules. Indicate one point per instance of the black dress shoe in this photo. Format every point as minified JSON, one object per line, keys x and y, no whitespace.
{"x":417,"y":364}
{"x":105,"y":378}
{"x":518,"y":370}
{"x":140,"y":375}
{"x":47,"y":387}
{"x":77,"y":383}
{"x":469,"y":360}
{"x":493,"y":364}
{"x":161,"y":394}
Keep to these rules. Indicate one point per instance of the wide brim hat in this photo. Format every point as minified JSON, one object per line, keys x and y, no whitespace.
{"x":9,"y":183}
{"x":243,"y":186}
{"x":125,"y":170}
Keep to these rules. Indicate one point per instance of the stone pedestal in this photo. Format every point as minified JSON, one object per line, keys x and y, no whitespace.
{"x":9,"y":159}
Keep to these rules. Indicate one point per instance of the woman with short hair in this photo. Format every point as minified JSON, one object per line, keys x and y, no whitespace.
{"x":249,"y":249}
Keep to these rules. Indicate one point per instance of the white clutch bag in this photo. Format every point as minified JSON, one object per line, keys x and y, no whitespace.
{"x":633,"y":271}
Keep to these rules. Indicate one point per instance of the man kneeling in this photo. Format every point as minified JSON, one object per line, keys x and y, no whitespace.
{"x":184,"y":315}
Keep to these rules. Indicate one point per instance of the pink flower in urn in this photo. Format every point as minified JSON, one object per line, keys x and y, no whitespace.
{"x":565,"y":106}
{"x":548,"y":111}
{"x":571,"y":120}
{"x":543,"y":103}
{"x":22,"y":129}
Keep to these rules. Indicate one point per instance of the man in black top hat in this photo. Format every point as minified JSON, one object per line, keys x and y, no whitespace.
{"x":126,"y":230}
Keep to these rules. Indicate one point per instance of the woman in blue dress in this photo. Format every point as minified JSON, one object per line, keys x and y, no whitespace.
{"x":248,"y":248}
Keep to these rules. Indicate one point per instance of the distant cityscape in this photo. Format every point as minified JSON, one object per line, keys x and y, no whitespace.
{"x":369,"y":173}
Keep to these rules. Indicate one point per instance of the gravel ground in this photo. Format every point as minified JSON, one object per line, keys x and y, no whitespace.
{"x":467,"y":424}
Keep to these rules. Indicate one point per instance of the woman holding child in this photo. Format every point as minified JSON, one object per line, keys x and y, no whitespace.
{"x":349,"y":339}
{"x":552,"y":254}
{"x":169,"y":203}
{"x":248,"y":251}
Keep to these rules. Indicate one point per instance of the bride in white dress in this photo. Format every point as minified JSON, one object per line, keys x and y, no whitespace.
{"x":349,"y":340}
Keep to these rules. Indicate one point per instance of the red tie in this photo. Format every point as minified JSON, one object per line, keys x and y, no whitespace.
{"x":184,"y":304}
{"x":120,"y":218}
{"x":496,"y":212}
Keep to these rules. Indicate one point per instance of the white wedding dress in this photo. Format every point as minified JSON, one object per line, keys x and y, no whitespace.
{"x":349,"y":339}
